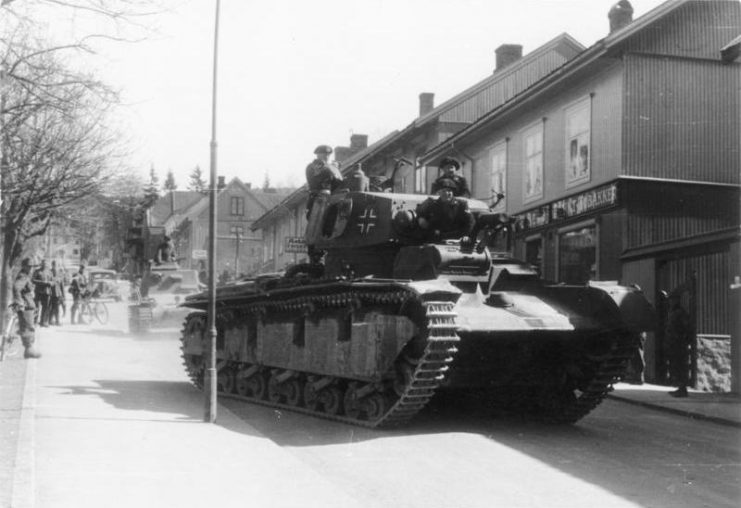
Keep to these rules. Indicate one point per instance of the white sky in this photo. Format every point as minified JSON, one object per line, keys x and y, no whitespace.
{"x":294,"y":73}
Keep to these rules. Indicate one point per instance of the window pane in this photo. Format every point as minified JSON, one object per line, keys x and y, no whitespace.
{"x":577,"y":143}
{"x":577,"y":255}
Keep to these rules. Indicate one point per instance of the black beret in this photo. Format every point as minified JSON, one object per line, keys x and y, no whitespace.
{"x":323,"y":149}
{"x":450,"y":161}
{"x":445,"y":183}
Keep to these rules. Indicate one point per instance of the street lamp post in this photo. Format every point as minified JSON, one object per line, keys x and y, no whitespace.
{"x":210,"y":381}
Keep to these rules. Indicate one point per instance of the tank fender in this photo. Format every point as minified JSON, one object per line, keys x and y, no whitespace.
{"x":440,"y":289}
{"x":636,"y":311}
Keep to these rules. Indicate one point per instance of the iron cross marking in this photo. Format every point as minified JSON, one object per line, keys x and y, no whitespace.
{"x":367,"y":220}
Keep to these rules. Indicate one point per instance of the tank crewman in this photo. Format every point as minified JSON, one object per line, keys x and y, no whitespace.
{"x":165,"y":251}
{"x":449,"y":167}
{"x":321,"y":175}
{"x":23,"y":303}
{"x":445,"y":216}
{"x":78,"y":288}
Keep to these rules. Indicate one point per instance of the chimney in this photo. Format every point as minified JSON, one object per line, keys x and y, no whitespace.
{"x":426,"y":103}
{"x":507,"y":54}
{"x":221,"y":184}
{"x":358,"y":142}
{"x":620,"y":15}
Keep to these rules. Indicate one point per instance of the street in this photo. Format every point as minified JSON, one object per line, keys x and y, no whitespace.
{"x":116,"y":421}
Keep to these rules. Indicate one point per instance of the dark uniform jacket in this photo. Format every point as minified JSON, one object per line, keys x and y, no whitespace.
{"x":451,"y":220}
{"x":42,"y":279}
{"x":23,"y":290}
{"x":322,"y":176}
{"x":461,"y":190}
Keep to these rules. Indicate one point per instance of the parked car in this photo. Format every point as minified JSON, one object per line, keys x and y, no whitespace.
{"x":104,"y":283}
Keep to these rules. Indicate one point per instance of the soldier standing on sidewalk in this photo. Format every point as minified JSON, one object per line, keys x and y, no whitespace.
{"x":42,"y":280}
{"x":23,"y":301}
{"x":678,"y":337}
{"x":78,"y":288}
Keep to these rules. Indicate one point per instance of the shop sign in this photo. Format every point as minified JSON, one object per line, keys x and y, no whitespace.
{"x":295,"y":245}
{"x":534,"y":218}
{"x":588,"y":201}
{"x":199,"y":254}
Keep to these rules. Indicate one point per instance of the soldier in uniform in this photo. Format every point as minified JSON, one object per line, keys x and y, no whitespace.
{"x":321,"y":175}
{"x":42,"y":280}
{"x":78,"y":288}
{"x":678,"y":336}
{"x":449,"y":167}
{"x":446,"y":216}
{"x":165,"y":251}
{"x":23,"y":303}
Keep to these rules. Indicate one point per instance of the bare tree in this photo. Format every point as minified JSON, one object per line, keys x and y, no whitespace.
{"x":55,"y":144}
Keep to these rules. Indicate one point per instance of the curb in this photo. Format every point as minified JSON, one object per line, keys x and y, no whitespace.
{"x":23,"y":486}
{"x":681,"y":412}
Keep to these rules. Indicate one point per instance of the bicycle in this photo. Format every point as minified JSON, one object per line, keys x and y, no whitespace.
{"x":90,"y":308}
{"x":9,"y":344}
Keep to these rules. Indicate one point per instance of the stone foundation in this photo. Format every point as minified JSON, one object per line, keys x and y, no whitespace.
{"x":713,"y":364}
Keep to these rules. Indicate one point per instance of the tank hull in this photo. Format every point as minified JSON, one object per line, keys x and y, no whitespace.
{"x":374,"y":353}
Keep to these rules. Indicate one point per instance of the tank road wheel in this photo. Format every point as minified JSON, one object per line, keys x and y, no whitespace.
{"x":293,"y":392}
{"x":352,"y":402}
{"x":376,"y":405}
{"x":256,"y":387}
{"x":227,"y":380}
{"x":275,"y":390}
{"x":311,"y":396}
{"x":331,"y":399}
{"x":194,"y":330}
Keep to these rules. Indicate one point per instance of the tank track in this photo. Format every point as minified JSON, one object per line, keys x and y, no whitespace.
{"x":611,"y":367}
{"x":422,"y":378}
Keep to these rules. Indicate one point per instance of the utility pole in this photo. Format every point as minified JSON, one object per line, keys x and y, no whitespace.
{"x":210,"y":379}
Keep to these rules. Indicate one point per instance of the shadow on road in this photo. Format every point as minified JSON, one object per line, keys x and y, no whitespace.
{"x":159,"y":401}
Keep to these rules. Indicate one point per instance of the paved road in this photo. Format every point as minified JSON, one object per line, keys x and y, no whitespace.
{"x":619,"y":456}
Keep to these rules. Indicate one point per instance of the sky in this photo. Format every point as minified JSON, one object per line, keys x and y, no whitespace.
{"x":294,"y":74}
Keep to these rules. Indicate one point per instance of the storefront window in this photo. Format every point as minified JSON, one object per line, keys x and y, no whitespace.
{"x":577,"y":255}
{"x":534,"y":253}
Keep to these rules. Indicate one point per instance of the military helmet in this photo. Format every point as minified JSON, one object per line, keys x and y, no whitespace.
{"x":326,"y":149}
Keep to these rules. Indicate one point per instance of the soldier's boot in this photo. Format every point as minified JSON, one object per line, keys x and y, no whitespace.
{"x":31,"y":352}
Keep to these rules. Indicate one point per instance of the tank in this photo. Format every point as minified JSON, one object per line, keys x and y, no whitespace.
{"x":390,"y":318}
{"x":161,"y":290}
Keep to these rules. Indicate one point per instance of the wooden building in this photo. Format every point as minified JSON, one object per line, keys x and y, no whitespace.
{"x":623,"y":164}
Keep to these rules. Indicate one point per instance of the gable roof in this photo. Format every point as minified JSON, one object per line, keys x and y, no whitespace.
{"x":587,"y":57}
{"x":172,"y":203}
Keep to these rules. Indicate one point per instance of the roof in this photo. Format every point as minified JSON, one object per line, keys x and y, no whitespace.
{"x":584,"y":59}
{"x":172,"y":203}
{"x":475,"y":101}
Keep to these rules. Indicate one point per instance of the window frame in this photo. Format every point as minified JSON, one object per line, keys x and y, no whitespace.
{"x":499,"y":148}
{"x":239,"y":202}
{"x":574,"y":227}
{"x":537,"y":128}
{"x":572,"y":175}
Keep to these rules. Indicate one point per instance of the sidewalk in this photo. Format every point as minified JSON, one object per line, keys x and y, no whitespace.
{"x":108,"y":419}
{"x":722,"y":408}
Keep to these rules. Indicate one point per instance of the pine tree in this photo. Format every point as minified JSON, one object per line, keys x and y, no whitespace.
{"x":151,"y":190}
{"x":197,"y":183}
{"x":169,"y":184}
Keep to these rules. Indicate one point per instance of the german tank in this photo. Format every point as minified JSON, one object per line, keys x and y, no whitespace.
{"x":391,"y":318}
